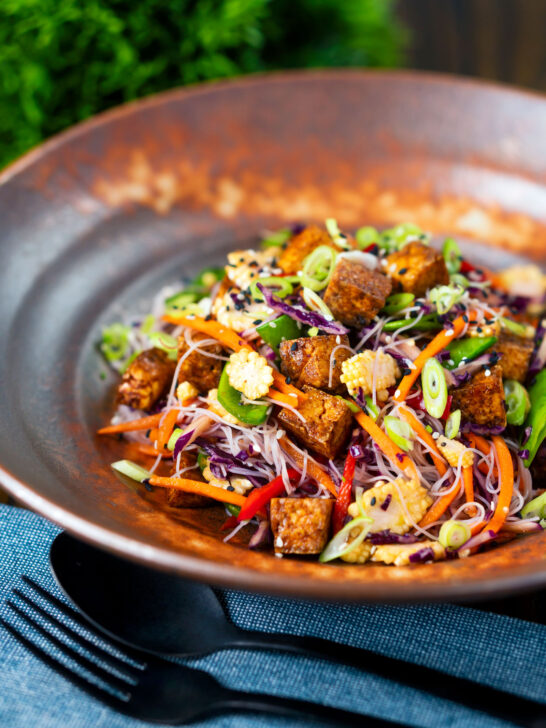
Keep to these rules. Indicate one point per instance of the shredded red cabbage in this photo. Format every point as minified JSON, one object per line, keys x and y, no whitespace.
{"x":262,"y":536}
{"x":181,"y":443}
{"x":309,"y":318}
{"x":386,"y":537}
{"x":422,"y":556}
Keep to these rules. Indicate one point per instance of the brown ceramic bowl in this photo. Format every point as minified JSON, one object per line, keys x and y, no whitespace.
{"x":98,"y":218}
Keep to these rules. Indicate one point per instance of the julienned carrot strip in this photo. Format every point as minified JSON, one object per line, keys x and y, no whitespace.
{"x":289,"y":399}
{"x":166,"y":428}
{"x":214,"y":329}
{"x":506,"y":477}
{"x":468,"y":480}
{"x":481,"y":444}
{"x":232,"y":340}
{"x":313,"y":470}
{"x":143,"y":423}
{"x":420,"y":430}
{"x":438,"y":344}
{"x":153,"y":434}
{"x":150,"y":450}
{"x":391,"y":450}
{"x":279,"y":380}
{"x":440,"y":506}
{"x":194,"y":486}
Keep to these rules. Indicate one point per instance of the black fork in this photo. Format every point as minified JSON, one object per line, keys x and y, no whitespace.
{"x":144,"y":687}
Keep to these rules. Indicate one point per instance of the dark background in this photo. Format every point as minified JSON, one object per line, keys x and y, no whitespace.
{"x":62,"y":61}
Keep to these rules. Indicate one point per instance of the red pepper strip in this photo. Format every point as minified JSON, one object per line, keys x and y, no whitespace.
{"x":447,"y":410}
{"x":466,"y":267}
{"x":230,"y":522}
{"x":341,"y":505}
{"x":261,"y":496}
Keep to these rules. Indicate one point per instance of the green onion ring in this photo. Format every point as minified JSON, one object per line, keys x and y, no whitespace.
{"x":453,"y":534}
{"x":400,"y":432}
{"x":452,"y":255}
{"x":453,"y":424}
{"x":433,"y":383}
{"x":282,"y":287}
{"x":318,"y":267}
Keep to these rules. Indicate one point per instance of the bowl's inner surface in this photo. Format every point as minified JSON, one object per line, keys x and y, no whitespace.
{"x":104,"y":218}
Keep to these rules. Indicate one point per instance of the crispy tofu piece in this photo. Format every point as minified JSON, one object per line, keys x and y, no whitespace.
{"x":481,"y":400}
{"x":146,"y":379}
{"x":515,"y":354}
{"x":356,"y":294}
{"x":299,"y":247}
{"x":307,"y":361}
{"x":177,"y":498}
{"x":416,"y":268}
{"x":300,"y":525}
{"x":197,"y":368}
{"x":327,"y":423}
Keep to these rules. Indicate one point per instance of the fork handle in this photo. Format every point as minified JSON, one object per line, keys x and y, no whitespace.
{"x":521,"y":711}
{"x":292,"y":708}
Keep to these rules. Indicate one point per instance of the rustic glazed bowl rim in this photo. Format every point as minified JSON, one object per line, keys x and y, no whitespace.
{"x":223,"y":574}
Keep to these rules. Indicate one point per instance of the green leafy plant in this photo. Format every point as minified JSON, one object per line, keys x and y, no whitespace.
{"x":64,"y":60}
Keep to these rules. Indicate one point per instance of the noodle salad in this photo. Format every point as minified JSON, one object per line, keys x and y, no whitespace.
{"x":363,"y":398}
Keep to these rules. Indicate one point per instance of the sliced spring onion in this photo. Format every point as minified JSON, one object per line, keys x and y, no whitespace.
{"x":525,"y":330}
{"x":202,"y":460}
{"x":340,"y":544}
{"x":315,"y":303}
{"x":335,"y":233}
{"x":313,"y":331}
{"x":281,"y":286}
{"x":232,"y":510}
{"x":115,"y":340}
{"x":147,"y":325}
{"x":317,"y":268}
{"x":445,"y":297}
{"x":127,"y":363}
{"x":355,"y":409}
{"x":278,"y":237}
{"x":131,"y":470}
{"x":433,"y":383}
{"x":366,"y":236}
{"x":453,"y":534}
{"x":165,"y":342}
{"x":452,"y":255}
{"x":173,"y":438}
{"x":395,"y":238}
{"x":400,"y":432}
{"x":453,"y":424}
{"x":397,"y":302}
{"x":371,"y":409}
{"x":517,"y":401}
{"x":181,"y":300}
{"x":535,"y":507}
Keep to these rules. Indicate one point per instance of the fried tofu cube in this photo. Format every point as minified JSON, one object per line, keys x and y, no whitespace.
{"x":326,"y":425}
{"x":146,"y":379}
{"x":197,"y":368}
{"x":178,"y":498}
{"x":300,"y":525}
{"x":515,"y":353}
{"x":481,"y":400}
{"x":307,"y":361}
{"x":356,"y":294}
{"x":299,"y":247}
{"x":416,"y":268}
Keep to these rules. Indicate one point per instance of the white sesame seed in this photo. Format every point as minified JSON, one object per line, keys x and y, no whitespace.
{"x":488,"y":372}
{"x":397,"y":393}
{"x":435,"y":435}
{"x":450,"y":332}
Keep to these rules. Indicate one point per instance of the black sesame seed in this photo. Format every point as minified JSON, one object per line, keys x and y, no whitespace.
{"x":294,"y":346}
{"x":208,"y":317}
{"x":402,"y":271}
{"x":256,"y":322}
{"x":465,"y":318}
{"x":373,"y":501}
{"x":288,"y":380}
{"x":231,"y":488}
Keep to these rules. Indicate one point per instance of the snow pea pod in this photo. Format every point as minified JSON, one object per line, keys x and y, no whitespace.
{"x":463,"y":350}
{"x":230,"y":399}
{"x":281,"y":329}
{"x":536,"y":419}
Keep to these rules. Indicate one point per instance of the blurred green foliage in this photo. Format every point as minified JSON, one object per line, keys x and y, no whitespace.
{"x":64,"y":60}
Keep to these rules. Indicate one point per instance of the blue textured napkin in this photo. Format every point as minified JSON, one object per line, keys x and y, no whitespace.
{"x":500,"y":651}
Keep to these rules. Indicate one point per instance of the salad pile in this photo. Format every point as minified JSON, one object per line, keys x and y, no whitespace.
{"x":361,"y":397}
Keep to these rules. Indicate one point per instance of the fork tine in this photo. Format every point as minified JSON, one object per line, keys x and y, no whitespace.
{"x":83,"y":661}
{"x":82,"y":621}
{"x":81,"y":682}
{"x":94,"y":649}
